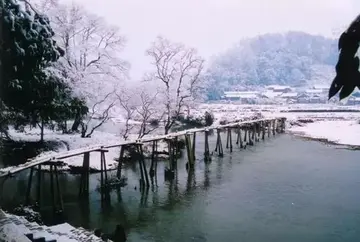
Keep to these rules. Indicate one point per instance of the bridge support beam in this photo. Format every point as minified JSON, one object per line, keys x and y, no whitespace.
{"x":84,"y":179}
{"x":120,"y":161}
{"x":153,"y":166}
{"x":193,"y":146}
{"x":207,"y":157}
{"x":191,"y":161}
{"x":263,"y":130}
{"x":219,"y":147}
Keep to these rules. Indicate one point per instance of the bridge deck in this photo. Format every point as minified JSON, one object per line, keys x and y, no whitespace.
{"x":67,"y":154}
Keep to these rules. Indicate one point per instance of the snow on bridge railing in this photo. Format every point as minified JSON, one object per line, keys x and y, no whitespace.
{"x":71,"y":153}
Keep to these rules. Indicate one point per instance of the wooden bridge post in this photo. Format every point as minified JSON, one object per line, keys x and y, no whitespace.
{"x":193,"y":146}
{"x":58,"y":188}
{"x":251,"y":142}
{"x":263,"y":130}
{"x":230,"y":139}
{"x":219,"y":144}
{"x":283,"y":125}
{"x":152,"y":171}
{"x":245,"y":135}
{"x":274,"y":126}
{"x":38,"y":196}
{"x":227,"y":138}
{"x":240,"y":139}
{"x":142,"y":159}
{"x":52,"y":190}
{"x":29,"y":185}
{"x":138,"y":154}
{"x":207,"y":157}
{"x":190,"y":163}
{"x":84,"y":180}
{"x":120,"y":162}
{"x":258,"y":130}
{"x":237,"y":136}
{"x":253,"y":136}
{"x":268,"y":128}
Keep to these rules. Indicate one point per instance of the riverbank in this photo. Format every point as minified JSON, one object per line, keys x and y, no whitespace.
{"x":339,"y":132}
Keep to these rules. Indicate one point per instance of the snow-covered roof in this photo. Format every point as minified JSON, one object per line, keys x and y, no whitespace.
{"x":314,"y":91}
{"x":326,"y":87}
{"x":289,"y":94}
{"x":278,"y":87}
{"x":244,"y":94}
{"x":270,"y":94}
{"x":241,"y":95}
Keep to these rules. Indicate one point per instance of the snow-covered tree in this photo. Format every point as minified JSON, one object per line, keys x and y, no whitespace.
{"x":92,"y":63}
{"x":30,"y":92}
{"x":140,"y":105}
{"x":177,"y":71}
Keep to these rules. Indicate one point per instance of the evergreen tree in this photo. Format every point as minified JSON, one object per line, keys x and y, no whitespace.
{"x":30,"y":92}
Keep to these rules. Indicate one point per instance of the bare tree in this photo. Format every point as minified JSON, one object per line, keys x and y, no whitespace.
{"x":95,"y":114}
{"x":147,"y":111}
{"x":91,"y":63}
{"x":125,"y":100}
{"x":178,"y":69}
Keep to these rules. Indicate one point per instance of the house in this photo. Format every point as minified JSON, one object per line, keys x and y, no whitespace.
{"x":290,"y":97}
{"x":246,"y":97}
{"x":353,"y":101}
{"x":322,"y":88}
{"x":279,"y":88}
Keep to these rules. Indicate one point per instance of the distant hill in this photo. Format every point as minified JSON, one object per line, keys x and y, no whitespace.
{"x":293,"y":58}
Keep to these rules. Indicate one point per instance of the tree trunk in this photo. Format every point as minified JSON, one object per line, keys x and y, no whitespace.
{"x":76,"y":124}
{"x":42,"y":132}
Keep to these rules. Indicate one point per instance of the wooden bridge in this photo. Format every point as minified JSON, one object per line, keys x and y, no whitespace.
{"x":246,"y":132}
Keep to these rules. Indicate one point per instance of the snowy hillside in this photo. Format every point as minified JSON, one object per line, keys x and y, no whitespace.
{"x":294,"y":58}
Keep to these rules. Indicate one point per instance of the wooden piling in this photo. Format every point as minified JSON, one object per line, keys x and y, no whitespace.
{"x":219,"y":144}
{"x":193,"y":146}
{"x":52,"y":188}
{"x":268,"y":128}
{"x":230,"y":139}
{"x":251,"y":142}
{"x":120,"y":162}
{"x":240,"y":139}
{"x":142,"y":179}
{"x":29,"y":185}
{"x":273,"y":126}
{"x":58,"y":188}
{"x":253,"y":136}
{"x":152,"y":171}
{"x":263,"y":129}
{"x":38,"y":196}
{"x":188,"y":150}
{"x":84,"y":179}
{"x":144,"y":166}
{"x":207,"y":157}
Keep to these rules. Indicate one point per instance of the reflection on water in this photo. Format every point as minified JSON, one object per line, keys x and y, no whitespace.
{"x":283,"y":189}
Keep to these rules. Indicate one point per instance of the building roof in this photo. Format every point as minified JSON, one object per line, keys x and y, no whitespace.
{"x":277,"y":87}
{"x":289,"y":94}
{"x":313,"y":91}
{"x":321,"y":87}
{"x":244,"y":94}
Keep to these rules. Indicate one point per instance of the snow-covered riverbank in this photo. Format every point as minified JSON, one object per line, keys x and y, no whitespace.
{"x":343,"y":132}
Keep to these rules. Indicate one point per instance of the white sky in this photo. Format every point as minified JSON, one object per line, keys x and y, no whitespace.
{"x":212,"y":26}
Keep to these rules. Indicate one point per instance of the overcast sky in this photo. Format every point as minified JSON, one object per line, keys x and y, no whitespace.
{"x":213,"y":26}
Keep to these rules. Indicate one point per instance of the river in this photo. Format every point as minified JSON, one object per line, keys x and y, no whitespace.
{"x":283,"y":189}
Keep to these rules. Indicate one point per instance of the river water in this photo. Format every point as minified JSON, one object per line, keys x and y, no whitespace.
{"x":283,"y":189}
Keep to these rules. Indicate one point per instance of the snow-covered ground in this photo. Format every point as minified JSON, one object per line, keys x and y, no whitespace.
{"x":344,"y":132}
